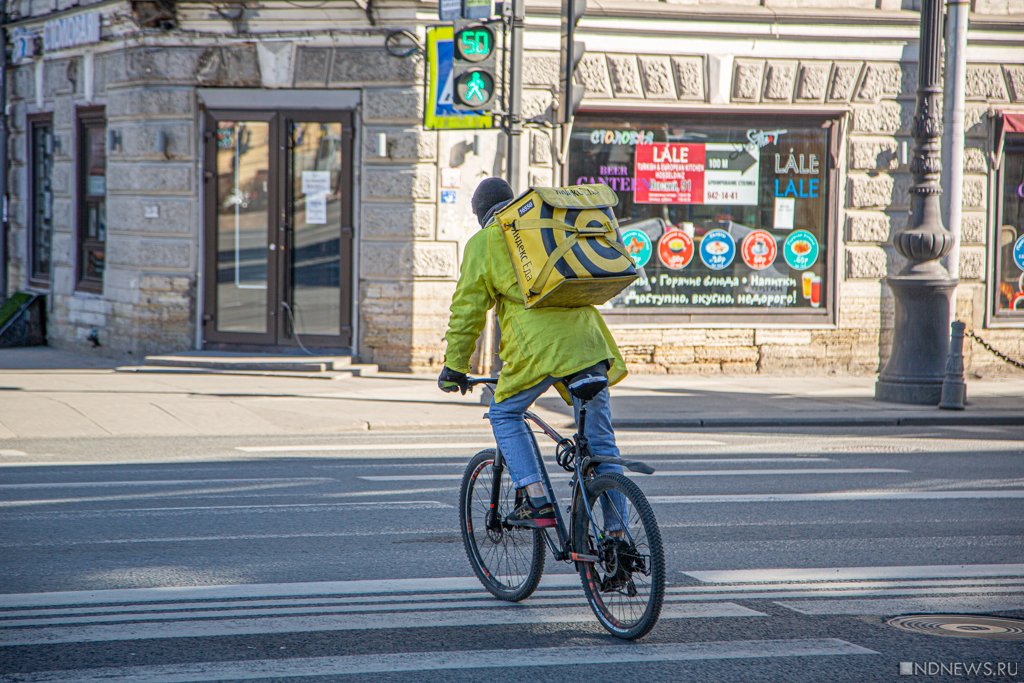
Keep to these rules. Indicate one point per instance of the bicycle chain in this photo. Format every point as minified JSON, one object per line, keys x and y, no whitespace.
{"x":998,"y":354}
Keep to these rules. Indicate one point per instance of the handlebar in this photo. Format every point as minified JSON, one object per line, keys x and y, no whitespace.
{"x":474,"y":381}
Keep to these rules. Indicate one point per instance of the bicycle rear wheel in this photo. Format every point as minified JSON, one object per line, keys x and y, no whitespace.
{"x":508,"y":561}
{"x":626,"y":586}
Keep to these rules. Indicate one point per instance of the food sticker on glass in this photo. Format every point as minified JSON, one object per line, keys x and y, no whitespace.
{"x":759,"y":249}
{"x":638,"y":244}
{"x":675,"y":249}
{"x":1018,"y":252}
{"x":717,"y":249}
{"x":800,"y":250}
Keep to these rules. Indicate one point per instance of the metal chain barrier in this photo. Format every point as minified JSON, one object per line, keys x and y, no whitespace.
{"x":998,"y":354}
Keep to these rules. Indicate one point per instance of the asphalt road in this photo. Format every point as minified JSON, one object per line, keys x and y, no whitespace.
{"x":339,"y":558}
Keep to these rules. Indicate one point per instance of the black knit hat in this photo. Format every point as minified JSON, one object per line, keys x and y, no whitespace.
{"x":489,"y":193}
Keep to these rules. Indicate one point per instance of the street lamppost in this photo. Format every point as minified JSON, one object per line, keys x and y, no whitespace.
{"x":922,"y":289}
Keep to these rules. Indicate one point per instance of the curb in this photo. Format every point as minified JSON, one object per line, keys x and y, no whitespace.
{"x":907,"y":421}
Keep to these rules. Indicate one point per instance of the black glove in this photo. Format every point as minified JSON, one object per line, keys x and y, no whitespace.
{"x":449,"y":380}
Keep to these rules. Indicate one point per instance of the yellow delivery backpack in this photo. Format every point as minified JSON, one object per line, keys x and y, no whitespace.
{"x":565,"y":245}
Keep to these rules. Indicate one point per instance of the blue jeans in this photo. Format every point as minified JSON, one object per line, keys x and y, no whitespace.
{"x":519,"y":449}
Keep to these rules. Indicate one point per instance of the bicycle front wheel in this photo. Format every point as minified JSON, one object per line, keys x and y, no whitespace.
{"x":508,"y":560}
{"x":626,"y":586}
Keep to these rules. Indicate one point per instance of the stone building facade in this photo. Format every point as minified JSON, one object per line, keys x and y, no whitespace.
{"x":265,"y":171}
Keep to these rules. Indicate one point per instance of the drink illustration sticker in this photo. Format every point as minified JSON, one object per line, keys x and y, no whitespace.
{"x":717,"y":249}
{"x":759,"y":249}
{"x":639,"y":246}
{"x":675,"y":249}
{"x":800,"y":250}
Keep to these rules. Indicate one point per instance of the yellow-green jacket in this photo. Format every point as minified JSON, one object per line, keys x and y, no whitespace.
{"x":535,"y":343}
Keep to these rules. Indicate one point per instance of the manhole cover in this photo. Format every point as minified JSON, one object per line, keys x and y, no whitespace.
{"x":961,"y":626}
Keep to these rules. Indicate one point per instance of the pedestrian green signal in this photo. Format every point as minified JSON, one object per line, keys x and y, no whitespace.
{"x":474,"y":72}
{"x":474,"y":88}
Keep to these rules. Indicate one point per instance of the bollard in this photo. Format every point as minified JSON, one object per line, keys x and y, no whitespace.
{"x":954,"y":390}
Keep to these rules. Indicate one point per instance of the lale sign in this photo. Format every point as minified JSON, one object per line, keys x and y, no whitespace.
{"x":66,"y":32}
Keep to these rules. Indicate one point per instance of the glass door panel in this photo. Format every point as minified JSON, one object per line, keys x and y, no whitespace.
{"x":242,"y":225}
{"x":316,"y":217}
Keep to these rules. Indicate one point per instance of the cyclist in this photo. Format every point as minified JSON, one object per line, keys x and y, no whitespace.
{"x":540,"y":348}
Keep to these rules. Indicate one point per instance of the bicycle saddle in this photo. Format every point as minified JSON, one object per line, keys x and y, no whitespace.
{"x":587,"y":384}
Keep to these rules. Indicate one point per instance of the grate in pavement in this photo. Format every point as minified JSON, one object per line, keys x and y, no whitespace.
{"x":961,"y":626}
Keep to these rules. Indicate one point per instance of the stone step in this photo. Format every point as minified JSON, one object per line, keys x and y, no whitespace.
{"x":252,"y":362}
{"x":352,"y":370}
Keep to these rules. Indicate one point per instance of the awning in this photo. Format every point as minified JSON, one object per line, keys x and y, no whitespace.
{"x":1012,"y":122}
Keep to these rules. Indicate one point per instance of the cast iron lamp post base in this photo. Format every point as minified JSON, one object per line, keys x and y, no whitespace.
{"x":917,"y":364}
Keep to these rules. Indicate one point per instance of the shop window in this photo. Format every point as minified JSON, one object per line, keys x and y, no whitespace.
{"x":728,"y":216}
{"x":92,"y":199}
{"x":1009,"y":242}
{"x":40,"y":156}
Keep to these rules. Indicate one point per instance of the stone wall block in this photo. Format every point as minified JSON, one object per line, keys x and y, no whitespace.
{"x":787,"y":337}
{"x":625,"y":76}
{"x":60,"y":178}
{"x":150,"y":178}
{"x":689,"y":73}
{"x":541,"y":177}
{"x":985,"y":82}
{"x":393,"y":104}
{"x":158,"y":65}
{"x":235,"y":67}
{"x":974,"y":193}
{"x":312,"y":66}
{"x":844,"y":80}
{"x":64,"y":115}
{"x":871,"y":191}
{"x":538,"y":103}
{"x":812,"y":83}
{"x":402,"y":144}
{"x":868,"y":226}
{"x":592,"y":74}
{"x":880,"y":80}
{"x":395,"y":183}
{"x":396,"y":261}
{"x":24,"y":83}
{"x":975,"y":160}
{"x":149,"y":253}
{"x":355,"y":66}
{"x":140,"y":141}
{"x":62,"y":77}
{"x":540,"y":148}
{"x":874,"y":155}
{"x":972,"y":263}
{"x":883,"y":117}
{"x":780,"y":78}
{"x":150,"y":103}
{"x":435,"y":259}
{"x":658,"y":81}
{"x":397,"y":221}
{"x":541,"y":69}
{"x":127,"y":214}
{"x":865,"y":263}
{"x":908,"y":75}
{"x":976,"y":121}
{"x":972,"y":228}
{"x":1015,"y":78}
{"x":746,"y":80}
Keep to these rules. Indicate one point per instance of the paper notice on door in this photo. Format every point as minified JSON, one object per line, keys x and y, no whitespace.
{"x":785,"y":207}
{"x":316,"y":209}
{"x":316,"y":182}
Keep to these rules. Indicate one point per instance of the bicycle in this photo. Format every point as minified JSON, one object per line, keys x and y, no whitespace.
{"x":615,"y":544}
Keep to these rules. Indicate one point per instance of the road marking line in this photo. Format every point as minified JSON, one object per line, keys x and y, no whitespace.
{"x":827,"y":496}
{"x":194,"y":493}
{"x":498,"y":616}
{"x":454,"y":660}
{"x":162,"y":482}
{"x":12,"y":452}
{"x":542,"y":597}
{"x":651,"y":460}
{"x":392,"y":504}
{"x":934,"y":571}
{"x":875,"y":606}
{"x":446,"y":446}
{"x":660,"y":473}
{"x":205,"y":611}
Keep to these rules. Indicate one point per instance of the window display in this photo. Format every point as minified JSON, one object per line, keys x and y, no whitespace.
{"x":718,"y":215}
{"x":1009,"y":277}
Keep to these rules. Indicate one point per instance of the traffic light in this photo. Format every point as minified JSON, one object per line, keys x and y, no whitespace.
{"x":473,"y":67}
{"x":570,"y":93}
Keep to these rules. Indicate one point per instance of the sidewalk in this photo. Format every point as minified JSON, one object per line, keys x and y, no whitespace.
{"x":45,"y":393}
